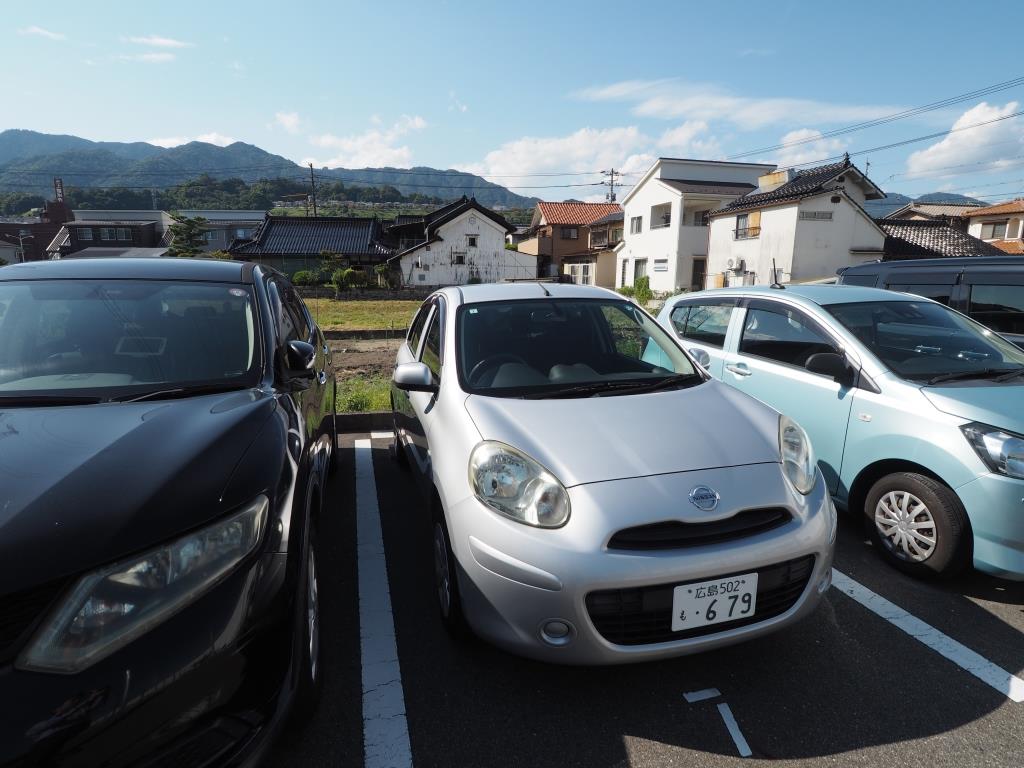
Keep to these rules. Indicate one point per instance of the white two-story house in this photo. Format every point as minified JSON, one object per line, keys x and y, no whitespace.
{"x":666,"y":219}
{"x":1002,"y":225}
{"x":805,"y":224}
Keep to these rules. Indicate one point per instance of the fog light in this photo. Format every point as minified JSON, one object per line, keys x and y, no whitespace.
{"x":825,"y":582}
{"x":557,"y":632}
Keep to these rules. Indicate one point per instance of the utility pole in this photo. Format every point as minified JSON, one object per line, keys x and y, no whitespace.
{"x":611,"y":174}
{"x":312,"y":188}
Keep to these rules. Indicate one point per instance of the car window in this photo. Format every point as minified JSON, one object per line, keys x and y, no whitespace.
{"x":939,"y":293}
{"x":703,"y":323}
{"x":287,"y":328}
{"x":866,"y":280}
{"x":1000,"y":307}
{"x":297,"y":310}
{"x":416,"y":329}
{"x":431,"y":355}
{"x":782,"y":335}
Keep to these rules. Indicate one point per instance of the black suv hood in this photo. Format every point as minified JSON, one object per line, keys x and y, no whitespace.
{"x":83,"y":486}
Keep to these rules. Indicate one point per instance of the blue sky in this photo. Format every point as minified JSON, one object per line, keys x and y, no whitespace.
{"x":517,"y":90}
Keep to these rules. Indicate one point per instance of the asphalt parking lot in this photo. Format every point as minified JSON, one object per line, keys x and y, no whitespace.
{"x":889,"y":671}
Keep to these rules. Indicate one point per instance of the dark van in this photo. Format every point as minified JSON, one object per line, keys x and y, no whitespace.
{"x":989,"y":289}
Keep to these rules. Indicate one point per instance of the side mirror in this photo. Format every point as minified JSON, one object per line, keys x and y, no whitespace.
{"x":300,"y":358}
{"x":830,"y":364}
{"x":414,"y":377}
{"x":702,"y":357}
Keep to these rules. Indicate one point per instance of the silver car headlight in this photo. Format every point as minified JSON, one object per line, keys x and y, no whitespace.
{"x":110,"y":607}
{"x":513,"y":484}
{"x":1002,"y":451}
{"x":798,"y":463}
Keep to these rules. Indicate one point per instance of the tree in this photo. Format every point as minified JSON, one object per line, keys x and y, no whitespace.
{"x":186,"y":236}
{"x":224,"y":255}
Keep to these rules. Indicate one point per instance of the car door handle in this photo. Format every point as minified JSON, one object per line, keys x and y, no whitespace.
{"x":740,"y":369}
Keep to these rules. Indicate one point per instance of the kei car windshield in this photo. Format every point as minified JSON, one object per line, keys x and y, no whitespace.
{"x":560,"y":347}
{"x":925,"y":341}
{"x":108,"y":338}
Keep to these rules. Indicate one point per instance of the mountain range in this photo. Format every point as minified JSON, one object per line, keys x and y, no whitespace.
{"x":29,"y":160}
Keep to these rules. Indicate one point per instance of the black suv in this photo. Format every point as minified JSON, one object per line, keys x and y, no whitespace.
{"x":989,"y":289}
{"x":166,"y":429}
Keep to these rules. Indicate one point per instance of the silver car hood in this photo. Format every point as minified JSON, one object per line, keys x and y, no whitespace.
{"x":594,"y":439}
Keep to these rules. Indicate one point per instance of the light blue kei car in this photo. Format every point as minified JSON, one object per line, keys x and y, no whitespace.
{"x":915,"y":412}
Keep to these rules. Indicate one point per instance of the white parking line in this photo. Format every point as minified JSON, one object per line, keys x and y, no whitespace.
{"x":385,"y":730}
{"x":381,"y":435}
{"x":734,"y":730}
{"x":695,"y":696}
{"x":1009,"y":685}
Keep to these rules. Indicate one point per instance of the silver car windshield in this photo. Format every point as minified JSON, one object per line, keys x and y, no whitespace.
{"x":114,"y":338}
{"x":566,"y":348}
{"x":925,"y":341}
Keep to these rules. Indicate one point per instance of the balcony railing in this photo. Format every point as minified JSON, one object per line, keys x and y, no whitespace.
{"x":746,"y":233}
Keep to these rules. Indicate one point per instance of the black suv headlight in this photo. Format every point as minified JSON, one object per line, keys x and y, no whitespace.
{"x":110,"y":607}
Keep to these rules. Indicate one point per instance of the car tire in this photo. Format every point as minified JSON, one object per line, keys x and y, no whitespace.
{"x":310,"y":667}
{"x":918,"y":524}
{"x":446,"y":582}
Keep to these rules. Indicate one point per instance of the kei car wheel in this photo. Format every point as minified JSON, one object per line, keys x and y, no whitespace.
{"x":309,"y":636}
{"x":918,"y":524}
{"x":446,"y":582}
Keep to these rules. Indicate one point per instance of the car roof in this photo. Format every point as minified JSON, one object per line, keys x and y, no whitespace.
{"x":214,"y":270}
{"x":472,"y":294}
{"x":951,"y":263}
{"x":809,"y":294}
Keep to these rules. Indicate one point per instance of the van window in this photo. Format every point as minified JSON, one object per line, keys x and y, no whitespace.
{"x":703,"y":323}
{"x":782,"y":335}
{"x":940,"y":293}
{"x":860,"y":279}
{"x":1000,"y":307}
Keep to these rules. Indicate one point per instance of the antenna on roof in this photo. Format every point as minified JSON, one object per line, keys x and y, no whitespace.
{"x":775,"y":278}
{"x":546,"y":291}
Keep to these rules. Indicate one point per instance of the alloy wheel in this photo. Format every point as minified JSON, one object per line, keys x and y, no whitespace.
{"x":313,"y":617}
{"x":906,"y":526}
{"x":442,"y":571}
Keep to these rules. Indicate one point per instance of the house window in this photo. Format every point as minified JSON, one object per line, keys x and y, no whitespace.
{"x":746,"y":227}
{"x":622,"y":276}
{"x":471,"y":240}
{"x":123,"y":233}
{"x":210,"y":235}
{"x":636,"y":225}
{"x":458,"y":257}
{"x":241,"y":233}
{"x":816,"y":215}
{"x":581,"y":274}
{"x":422,"y":277}
{"x":570,"y":233}
{"x":661,"y":216}
{"x":661,"y":265}
{"x":84,"y":233}
{"x":993,"y":230}
{"x":598,"y":238}
{"x":617,"y":234}
{"x":639,"y":269}
{"x":700,"y":218}
{"x":108,"y":233}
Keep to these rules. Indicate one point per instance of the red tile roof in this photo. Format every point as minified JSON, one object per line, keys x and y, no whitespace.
{"x":576,"y":213}
{"x":1016,"y":247}
{"x":1014,"y":206}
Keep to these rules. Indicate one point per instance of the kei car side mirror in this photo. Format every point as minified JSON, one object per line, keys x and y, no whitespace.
{"x":830,"y":364}
{"x":414,"y":377}
{"x":300,"y":357}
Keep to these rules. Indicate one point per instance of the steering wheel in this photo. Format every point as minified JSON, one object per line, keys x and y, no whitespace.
{"x":489,"y":362}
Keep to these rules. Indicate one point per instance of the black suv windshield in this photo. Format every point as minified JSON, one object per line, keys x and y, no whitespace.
{"x":566,"y":348}
{"x":117,"y":338}
{"x":925,"y":341}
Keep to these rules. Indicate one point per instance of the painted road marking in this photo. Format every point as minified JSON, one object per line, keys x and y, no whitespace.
{"x":734,"y":730}
{"x":385,"y":729}
{"x":381,"y":435}
{"x":707,"y":693}
{"x":1009,"y":685}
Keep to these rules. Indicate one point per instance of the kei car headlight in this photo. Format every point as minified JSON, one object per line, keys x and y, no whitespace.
{"x":797,"y":457}
{"x":510,"y":482}
{"x":1002,"y":451}
{"x":110,"y":607}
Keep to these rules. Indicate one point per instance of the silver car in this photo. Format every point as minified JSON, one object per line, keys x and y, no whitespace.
{"x":595,"y":496}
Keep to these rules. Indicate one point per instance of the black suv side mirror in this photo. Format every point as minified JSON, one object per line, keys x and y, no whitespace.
{"x":300,"y":358}
{"x":830,"y":364}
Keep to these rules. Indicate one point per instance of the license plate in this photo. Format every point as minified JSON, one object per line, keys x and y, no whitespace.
{"x":715,"y":601}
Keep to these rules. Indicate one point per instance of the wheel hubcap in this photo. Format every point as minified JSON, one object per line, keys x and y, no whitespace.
{"x":442,"y":573}
{"x":313,"y":617}
{"x":905,"y":526}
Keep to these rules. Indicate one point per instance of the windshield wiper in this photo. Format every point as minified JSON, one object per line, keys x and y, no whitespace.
{"x":38,"y":400}
{"x":1010,"y":375}
{"x":981,"y":373}
{"x":169,"y":394}
{"x":668,"y":382}
{"x":597,"y":387}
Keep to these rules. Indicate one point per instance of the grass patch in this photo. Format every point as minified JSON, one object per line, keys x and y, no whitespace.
{"x":357,"y":395}
{"x":342,"y":315}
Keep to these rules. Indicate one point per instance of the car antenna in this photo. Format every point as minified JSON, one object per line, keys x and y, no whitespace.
{"x":775,"y":278}
{"x":546,"y":291}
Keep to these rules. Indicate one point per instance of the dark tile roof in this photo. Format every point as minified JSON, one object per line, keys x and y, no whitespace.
{"x":911,"y":239}
{"x":810,"y":181}
{"x":709,"y":187}
{"x":611,"y":218}
{"x":308,"y":236}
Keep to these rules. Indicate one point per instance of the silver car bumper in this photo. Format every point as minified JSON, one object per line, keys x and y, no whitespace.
{"x":515,"y":579}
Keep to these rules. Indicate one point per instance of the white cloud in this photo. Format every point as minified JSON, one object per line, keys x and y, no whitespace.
{"x":673,"y":99}
{"x":454,"y":105}
{"x":374,"y":147}
{"x":812,"y":147}
{"x":210,"y":138}
{"x":159,"y":42}
{"x":757,"y":52}
{"x":169,"y":141}
{"x":287,"y":120}
{"x":40,"y":32}
{"x":216,"y":138}
{"x":689,"y":140}
{"x":994,"y":146}
{"x":148,"y":58}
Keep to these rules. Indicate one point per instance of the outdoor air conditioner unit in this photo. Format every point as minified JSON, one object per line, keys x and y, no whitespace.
{"x":736,"y":265}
